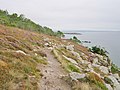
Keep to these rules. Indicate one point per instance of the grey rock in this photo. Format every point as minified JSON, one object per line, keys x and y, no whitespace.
{"x":86,"y":62}
{"x":75,"y":54}
{"x":109,"y":86}
{"x":71,"y":60}
{"x":89,"y":66}
{"x":70,"y":47}
{"x":75,"y":76}
{"x":104,"y":69}
{"x":117,"y":87}
{"x":95,"y":60}
{"x":116,"y":76}
{"x":50,"y":48}
{"x":46,"y":44}
{"x":95,"y":65}
{"x":46,"y":39}
{"x":115,"y":82}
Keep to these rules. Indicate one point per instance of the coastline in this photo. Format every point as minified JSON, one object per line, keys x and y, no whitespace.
{"x":96,"y":38}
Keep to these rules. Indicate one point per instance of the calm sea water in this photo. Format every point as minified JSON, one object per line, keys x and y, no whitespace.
{"x":109,"y":40}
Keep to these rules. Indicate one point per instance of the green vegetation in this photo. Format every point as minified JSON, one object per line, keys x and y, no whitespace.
{"x":107,"y":80}
{"x":20,"y":21}
{"x":73,"y":68}
{"x":114,"y":69}
{"x":98,"y":50}
{"x":75,"y":39}
{"x":60,"y":34}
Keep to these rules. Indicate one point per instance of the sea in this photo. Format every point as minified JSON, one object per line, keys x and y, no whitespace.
{"x":110,"y":40}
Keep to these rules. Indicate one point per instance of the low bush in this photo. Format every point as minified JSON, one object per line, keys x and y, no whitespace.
{"x":98,"y":50}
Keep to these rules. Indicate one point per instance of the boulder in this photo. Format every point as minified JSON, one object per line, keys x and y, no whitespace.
{"x":117,"y":87}
{"x":109,"y":86}
{"x":95,"y":65}
{"x":46,"y":44}
{"x":70,"y":47}
{"x":114,"y":80}
{"x":75,"y":76}
{"x":86,"y":62}
{"x":95,"y":60}
{"x":46,"y":39}
{"x":116,"y":76}
{"x":104,"y":69}
{"x":90,"y":66}
{"x":71,"y":60}
{"x":50,"y":48}
{"x":75,"y":54}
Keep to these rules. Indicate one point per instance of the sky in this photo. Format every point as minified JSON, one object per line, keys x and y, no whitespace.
{"x":68,"y":14}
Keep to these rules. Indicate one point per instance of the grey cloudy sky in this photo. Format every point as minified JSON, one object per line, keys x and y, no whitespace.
{"x":68,"y":14}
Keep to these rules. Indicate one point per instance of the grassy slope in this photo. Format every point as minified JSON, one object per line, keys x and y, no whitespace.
{"x":17,"y":69}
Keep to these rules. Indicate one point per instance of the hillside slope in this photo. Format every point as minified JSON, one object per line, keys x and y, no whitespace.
{"x":36,"y":61}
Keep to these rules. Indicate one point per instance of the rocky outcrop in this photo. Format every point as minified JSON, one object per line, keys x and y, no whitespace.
{"x":95,"y":68}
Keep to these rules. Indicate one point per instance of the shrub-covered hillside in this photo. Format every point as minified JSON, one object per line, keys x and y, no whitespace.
{"x":22,"y":22}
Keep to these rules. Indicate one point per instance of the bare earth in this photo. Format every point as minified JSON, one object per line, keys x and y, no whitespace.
{"x":51,"y":75}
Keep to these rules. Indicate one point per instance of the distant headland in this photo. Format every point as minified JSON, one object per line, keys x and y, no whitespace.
{"x":73,"y":33}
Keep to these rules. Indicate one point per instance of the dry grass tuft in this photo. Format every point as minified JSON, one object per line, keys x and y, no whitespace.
{"x":3,"y":64}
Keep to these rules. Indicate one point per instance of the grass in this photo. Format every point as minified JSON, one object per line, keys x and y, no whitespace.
{"x":73,"y":68}
{"x":85,"y":86}
{"x":94,"y":78}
